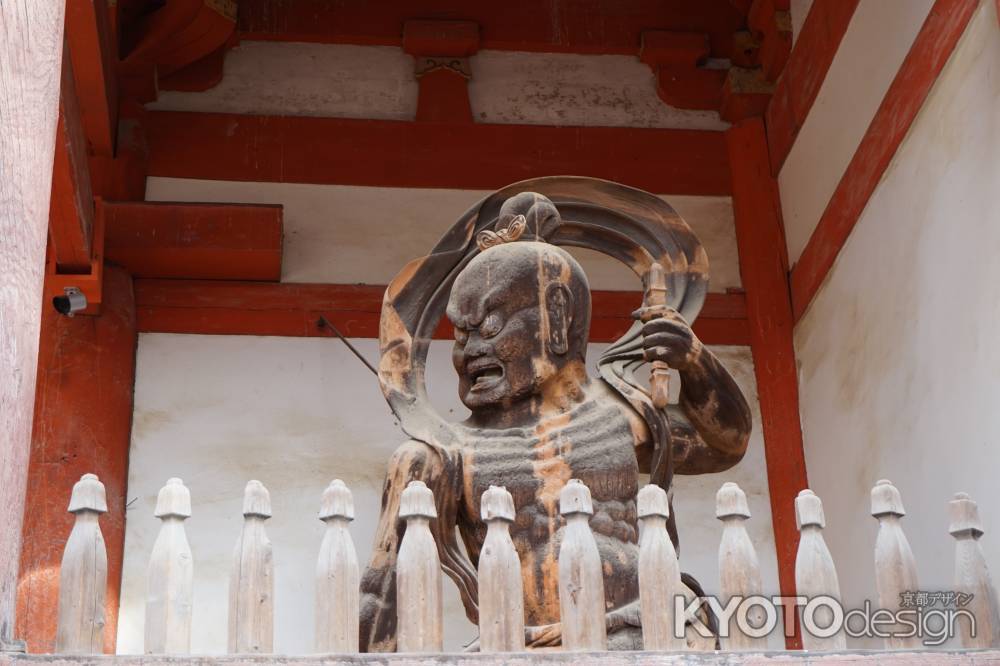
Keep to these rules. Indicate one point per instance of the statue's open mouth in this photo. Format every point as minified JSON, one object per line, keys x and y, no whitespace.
{"x":485,"y":376}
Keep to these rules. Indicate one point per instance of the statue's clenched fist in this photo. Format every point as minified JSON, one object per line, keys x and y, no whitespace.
{"x":669,"y":338}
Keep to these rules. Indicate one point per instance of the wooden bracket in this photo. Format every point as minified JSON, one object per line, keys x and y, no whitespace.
{"x":745,"y":94}
{"x":771,"y":22}
{"x":746,"y":50}
{"x":441,"y":50}
{"x":172,"y":38}
{"x":677,"y":58}
{"x":90,"y":283}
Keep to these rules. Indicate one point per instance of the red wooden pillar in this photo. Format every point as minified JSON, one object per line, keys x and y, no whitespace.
{"x":764,"y":270}
{"x":31,"y":42}
{"x":83,"y":420}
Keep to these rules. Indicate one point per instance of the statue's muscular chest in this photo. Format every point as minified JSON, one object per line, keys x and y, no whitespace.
{"x":594,"y":443}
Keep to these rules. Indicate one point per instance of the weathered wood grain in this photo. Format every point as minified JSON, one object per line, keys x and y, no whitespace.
{"x":581,"y":579}
{"x":83,"y":575}
{"x":251,"y":582}
{"x":972,"y":575}
{"x":170,"y":576}
{"x":815,"y":573}
{"x":926,"y":657}
{"x":895,"y":566}
{"x":519,"y":305}
{"x":31,"y":43}
{"x":501,"y":589}
{"x":419,"y":607}
{"x":659,"y":572}
{"x":739,"y":569}
{"x":338,"y":575}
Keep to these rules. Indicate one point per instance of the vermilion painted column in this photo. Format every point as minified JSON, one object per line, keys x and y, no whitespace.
{"x":83,"y":420}
{"x":31,"y":43}
{"x":764,"y":271}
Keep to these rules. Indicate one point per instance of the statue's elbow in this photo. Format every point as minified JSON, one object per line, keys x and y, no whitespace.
{"x":739,"y":449}
{"x":730,"y":448}
{"x":738,"y":433}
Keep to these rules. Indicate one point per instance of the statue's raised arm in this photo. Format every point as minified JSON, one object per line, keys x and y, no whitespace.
{"x":520,"y":308}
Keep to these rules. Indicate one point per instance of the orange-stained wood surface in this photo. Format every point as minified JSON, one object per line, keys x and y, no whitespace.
{"x":565,"y":26}
{"x":804,"y":73}
{"x":677,"y":58}
{"x":438,"y":49}
{"x":769,"y":19}
{"x":123,"y":177}
{"x":459,"y":39}
{"x":176,"y":35}
{"x":764,"y":270}
{"x":429,"y":154}
{"x":937,"y":38}
{"x":443,"y":97}
{"x":240,"y":308}
{"x":90,"y":282}
{"x":195,"y":240}
{"x":83,"y":418}
{"x":71,"y":208}
{"x":93,"y":52}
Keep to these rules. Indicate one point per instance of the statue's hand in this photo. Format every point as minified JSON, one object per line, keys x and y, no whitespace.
{"x":546,"y":635}
{"x":669,"y":338}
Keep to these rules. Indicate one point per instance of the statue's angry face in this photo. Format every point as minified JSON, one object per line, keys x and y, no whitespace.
{"x":520,"y":311}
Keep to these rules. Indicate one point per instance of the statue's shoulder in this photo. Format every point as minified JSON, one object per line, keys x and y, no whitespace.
{"x":415,"y":453}
{"x":616,"y":405}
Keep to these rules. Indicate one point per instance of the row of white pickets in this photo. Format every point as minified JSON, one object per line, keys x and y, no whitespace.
{"x":170,"y":575}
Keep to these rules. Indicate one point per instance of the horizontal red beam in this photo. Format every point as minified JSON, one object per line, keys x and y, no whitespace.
{"x":429,"y":154}
{"x":576,"y":26}
{"x":199,"y":241}
{"x":936,"y":40}
{"x":804,"y":73}
{"x":242,"y":308}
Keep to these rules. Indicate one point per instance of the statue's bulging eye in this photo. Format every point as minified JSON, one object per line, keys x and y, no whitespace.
{"x":461,"y":337}
{"x":490,"y":326}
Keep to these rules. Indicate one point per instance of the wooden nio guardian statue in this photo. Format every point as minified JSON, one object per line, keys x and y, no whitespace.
{"x":520,"y":307}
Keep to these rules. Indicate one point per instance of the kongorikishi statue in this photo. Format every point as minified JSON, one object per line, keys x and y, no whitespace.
{"x":520,"y":307}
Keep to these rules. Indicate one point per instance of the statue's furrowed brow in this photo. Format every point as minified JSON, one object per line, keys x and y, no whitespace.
{"x":468,"y":313}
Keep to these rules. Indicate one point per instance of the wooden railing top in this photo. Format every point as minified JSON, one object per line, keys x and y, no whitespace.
{"x":852,"y":657}
{"x":585,"y":622}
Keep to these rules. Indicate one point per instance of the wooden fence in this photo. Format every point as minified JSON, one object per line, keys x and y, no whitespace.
{"x":83,"y":574}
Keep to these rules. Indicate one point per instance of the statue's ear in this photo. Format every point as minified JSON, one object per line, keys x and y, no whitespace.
{"x":559,"y":304}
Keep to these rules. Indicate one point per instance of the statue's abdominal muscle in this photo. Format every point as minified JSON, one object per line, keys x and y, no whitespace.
{"x":593,"y":443}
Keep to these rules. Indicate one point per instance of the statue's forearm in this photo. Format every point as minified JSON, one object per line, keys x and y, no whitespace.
{"x":717,"y":414}
{"x":378,"y":607}
{"x":411,"y":461}
{"x":378,"y":584}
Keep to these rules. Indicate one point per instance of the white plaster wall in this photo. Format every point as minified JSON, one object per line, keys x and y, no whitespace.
{"x":572,"y":89}
{"x":347,"y":81}
{"x":899,"y":362}
{"x":293,"y":79}
{"x":347,"y":234}
{"x":295,"y":413}
{"x":878,"y":38}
